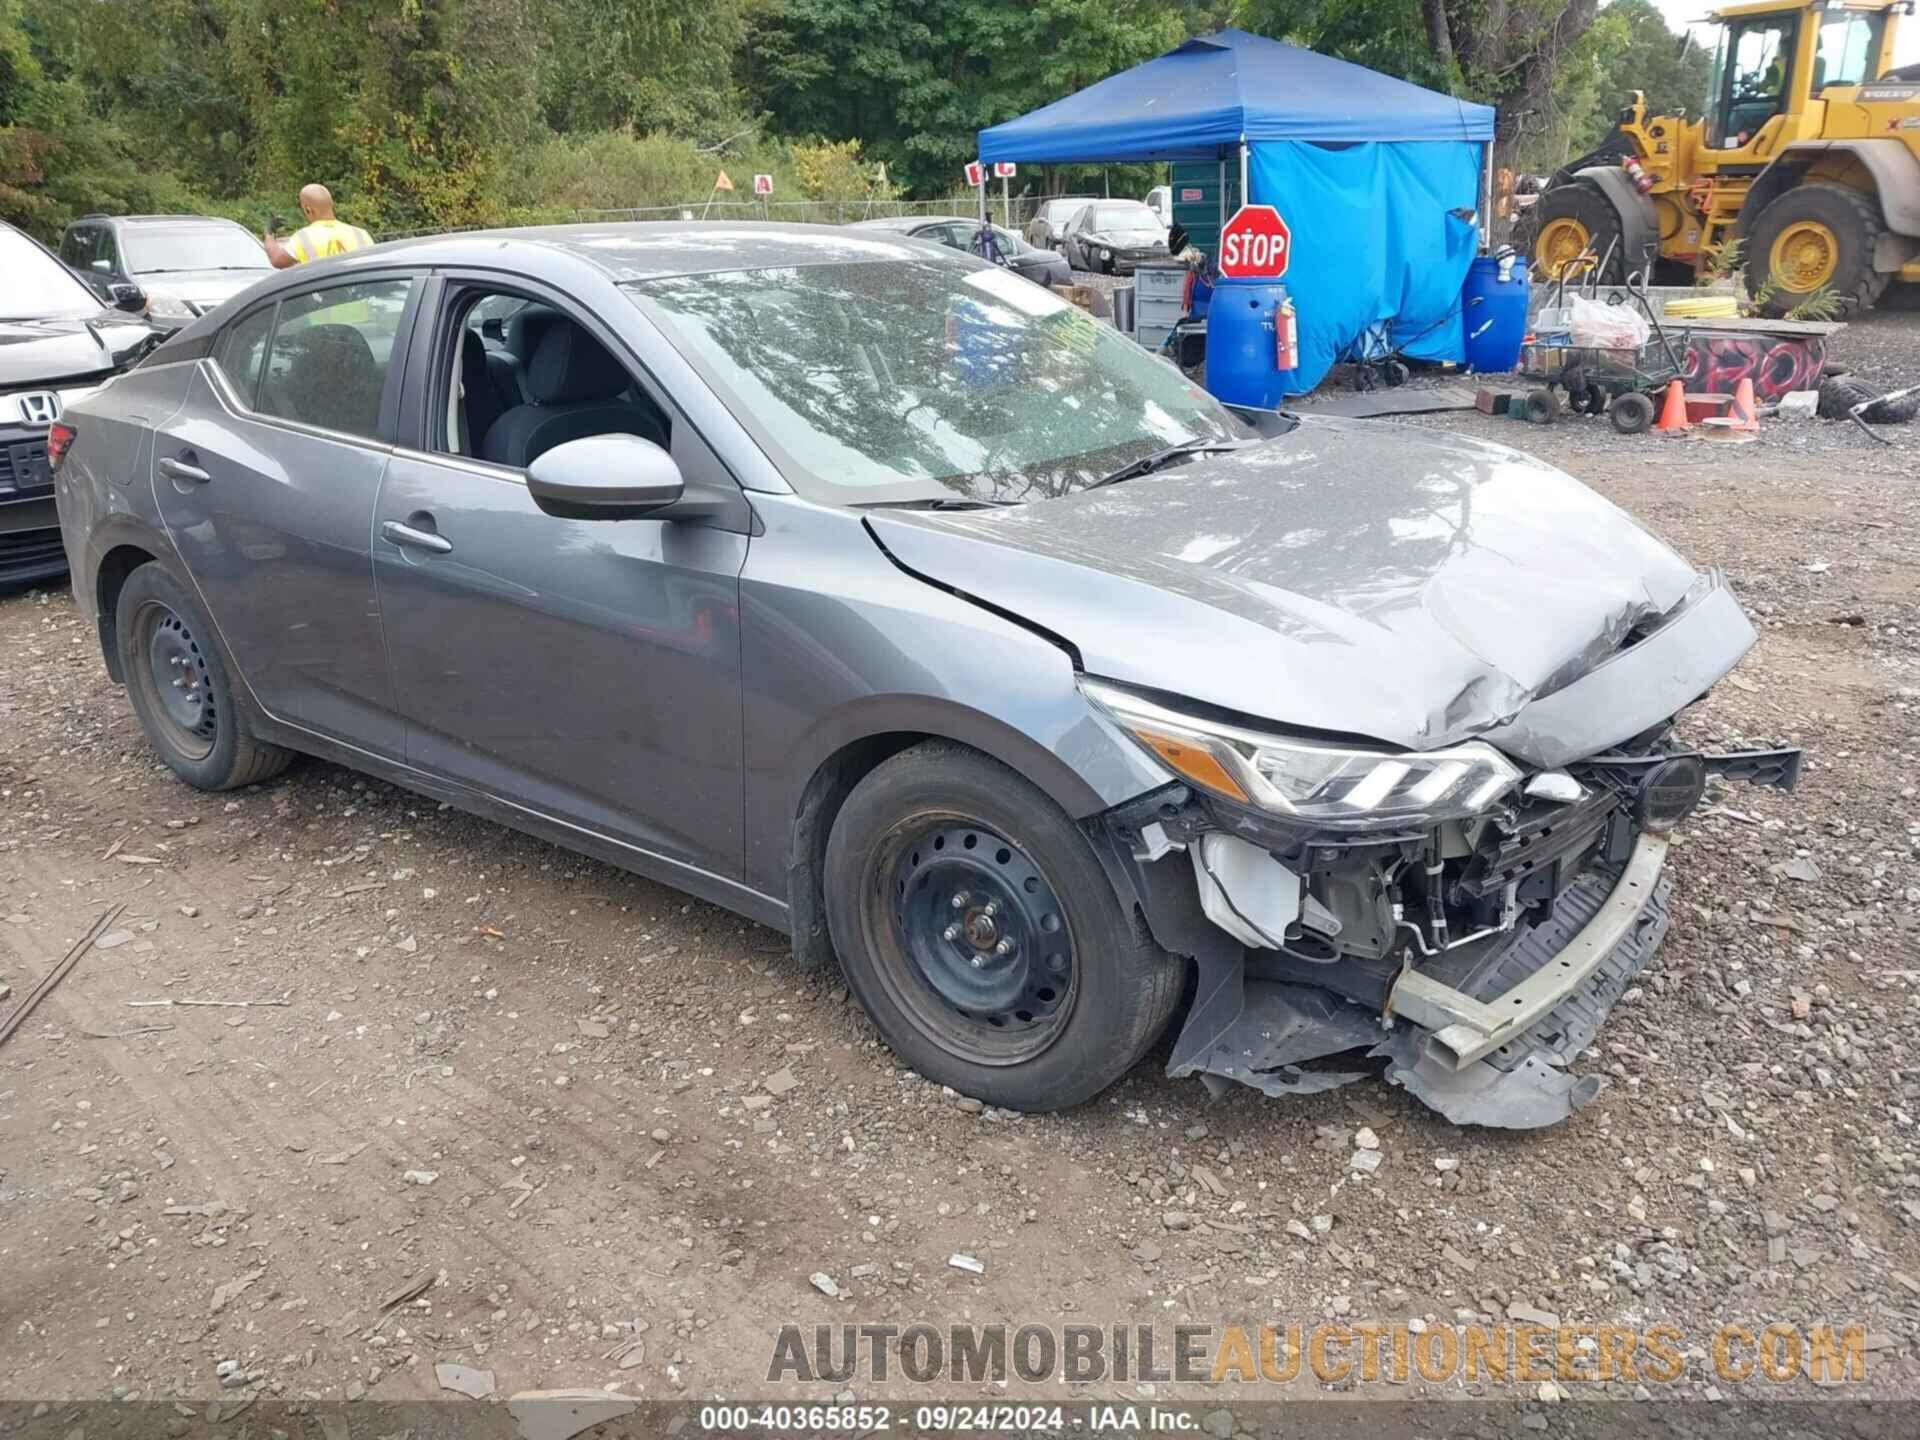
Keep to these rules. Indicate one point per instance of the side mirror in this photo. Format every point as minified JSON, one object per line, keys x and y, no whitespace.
{"x":130,"y":298}
{"x":604,"y":477}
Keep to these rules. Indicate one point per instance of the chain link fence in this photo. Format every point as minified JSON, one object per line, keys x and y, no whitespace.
{"x":1013,"y":213}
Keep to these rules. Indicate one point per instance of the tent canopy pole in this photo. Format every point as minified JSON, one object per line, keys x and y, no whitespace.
{"x":1246,"y":195}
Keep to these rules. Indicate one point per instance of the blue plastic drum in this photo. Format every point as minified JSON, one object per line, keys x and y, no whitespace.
{"x":1493,"y":312}
{"x":1242,"y":359}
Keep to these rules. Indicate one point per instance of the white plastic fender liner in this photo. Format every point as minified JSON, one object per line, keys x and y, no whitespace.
{"x":1245,"y":891}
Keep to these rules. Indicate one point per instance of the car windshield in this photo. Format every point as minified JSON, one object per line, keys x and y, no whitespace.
{"x":1134,"y":216}
{"x":35,"y":286}
{"x":928,"y":379}
{"x":156,"y":249}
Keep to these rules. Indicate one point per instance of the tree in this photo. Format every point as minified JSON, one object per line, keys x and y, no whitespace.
{"x":666,"y":64}
{"x":1512,"y":54}
{"x":1634,"y":50}
{"x":913,"y":80}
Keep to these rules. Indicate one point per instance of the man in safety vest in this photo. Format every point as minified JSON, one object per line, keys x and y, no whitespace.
{"x":320,"y":237}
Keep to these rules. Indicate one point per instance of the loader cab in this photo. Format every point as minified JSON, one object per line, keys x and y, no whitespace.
{"x":1773,"y":59}
{"x":1753,"y":77}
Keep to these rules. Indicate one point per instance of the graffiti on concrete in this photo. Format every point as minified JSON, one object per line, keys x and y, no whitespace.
{"x":1718,"y":362}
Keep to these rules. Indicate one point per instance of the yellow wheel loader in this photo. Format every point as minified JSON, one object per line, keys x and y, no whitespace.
{"x":1808,"y":155}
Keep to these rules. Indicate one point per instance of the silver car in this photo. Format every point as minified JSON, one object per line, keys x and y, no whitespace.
{"x":871,"y":592}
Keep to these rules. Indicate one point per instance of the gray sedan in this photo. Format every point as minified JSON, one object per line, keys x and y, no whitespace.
{"x":957,"y":232}
{"x":871,"y":592}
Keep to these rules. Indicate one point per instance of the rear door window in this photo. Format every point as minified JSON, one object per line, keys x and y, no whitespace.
{"x":331,"y":354}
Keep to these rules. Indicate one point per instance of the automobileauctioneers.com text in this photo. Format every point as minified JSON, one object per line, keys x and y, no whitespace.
{"x":1396,"y":1353}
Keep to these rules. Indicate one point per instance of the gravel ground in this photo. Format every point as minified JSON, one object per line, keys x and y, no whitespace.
{"x":561,"y":1093}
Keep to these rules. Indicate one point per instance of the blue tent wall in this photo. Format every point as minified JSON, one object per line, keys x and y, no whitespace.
{"x":1373,"y":242}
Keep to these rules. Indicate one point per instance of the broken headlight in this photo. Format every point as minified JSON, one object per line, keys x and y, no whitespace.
{"x":1329,"y":786}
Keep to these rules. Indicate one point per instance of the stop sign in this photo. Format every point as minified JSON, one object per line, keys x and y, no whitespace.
{"x":1255,"y":244}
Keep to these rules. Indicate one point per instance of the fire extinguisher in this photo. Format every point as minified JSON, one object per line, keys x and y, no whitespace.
{"x":1642,"y":181}
{"x":1286,"y":336}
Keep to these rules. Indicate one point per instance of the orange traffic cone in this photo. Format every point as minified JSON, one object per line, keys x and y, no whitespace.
{"x":1741,"y":415}
{"x":1673,"y":410}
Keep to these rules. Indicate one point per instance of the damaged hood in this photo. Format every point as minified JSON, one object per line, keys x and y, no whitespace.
{"x":1349,"y":576}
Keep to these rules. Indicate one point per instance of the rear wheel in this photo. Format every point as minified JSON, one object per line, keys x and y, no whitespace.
{"x":179,"y":684}
{"x":976,"y":925}
{"x":1813,"y":238}
{"x":1570,"y":220}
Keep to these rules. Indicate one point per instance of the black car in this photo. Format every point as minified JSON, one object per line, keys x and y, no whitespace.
{"x":1043,"y":267}
{"x":58,"y":344}
{"x":184,"y":264}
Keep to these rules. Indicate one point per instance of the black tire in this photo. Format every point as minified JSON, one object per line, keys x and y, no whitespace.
{"x":1840,"y":393}
{"x":1586,"y":204}
{"x":1854,"y":222}
{"x":195,"y":724}
{"x":1902,"y":295}
{"x":1631,"y":413}
{"x":900,"y":844}
{"x":1543,"y":407}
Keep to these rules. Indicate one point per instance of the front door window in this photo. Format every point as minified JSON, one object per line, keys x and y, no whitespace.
{"x":1756,"y":66}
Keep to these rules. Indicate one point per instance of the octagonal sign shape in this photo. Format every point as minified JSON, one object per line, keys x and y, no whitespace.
{"x":1255,"y":244}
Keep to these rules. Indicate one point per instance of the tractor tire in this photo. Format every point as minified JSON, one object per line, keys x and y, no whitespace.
{"x":1816,"y":237}
{"x":1571,"y":217}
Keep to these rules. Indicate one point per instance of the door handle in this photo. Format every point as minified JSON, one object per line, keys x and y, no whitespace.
{"x":181,"y":470}
{"x":406,"y":535}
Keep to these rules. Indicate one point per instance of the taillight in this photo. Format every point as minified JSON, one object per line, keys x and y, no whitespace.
{"x":59,"y":437}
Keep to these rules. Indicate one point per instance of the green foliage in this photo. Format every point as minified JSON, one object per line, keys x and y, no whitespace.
{"x":1630,"y":48}
{"x":835,"y":170}
{"x":429,"y":113}
{"x":913,"y":80}
{"x":662,"y":65}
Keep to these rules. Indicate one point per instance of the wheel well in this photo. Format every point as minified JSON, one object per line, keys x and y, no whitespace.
{"x":115,"y":566}
{"x":826,"y":791}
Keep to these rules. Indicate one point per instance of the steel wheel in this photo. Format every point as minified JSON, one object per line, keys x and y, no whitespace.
{"x":1561,"y":241}
{"x":175,"y":672}
{"x":984,"y":960}
{"x":1804,"y":256}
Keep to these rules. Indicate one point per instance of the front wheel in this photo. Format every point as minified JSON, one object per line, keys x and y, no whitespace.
{"x":1816,"y":239}
{"x":179,"y":684}
{"x":977,"y":927}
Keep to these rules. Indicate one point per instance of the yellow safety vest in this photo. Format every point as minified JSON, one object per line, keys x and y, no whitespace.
{"x":324,"y":238}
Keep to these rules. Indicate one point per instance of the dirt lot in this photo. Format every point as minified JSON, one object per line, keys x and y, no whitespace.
{"x":542,"y":1084}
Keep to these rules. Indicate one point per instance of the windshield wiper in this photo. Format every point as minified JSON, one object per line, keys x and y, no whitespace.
{"x":1149,"y":463}
{"x":940,"y":502}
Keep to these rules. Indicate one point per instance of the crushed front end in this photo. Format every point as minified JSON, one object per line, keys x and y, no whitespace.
{"x":1464,"y":917}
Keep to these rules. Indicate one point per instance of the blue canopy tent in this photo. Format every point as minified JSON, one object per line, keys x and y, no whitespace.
{"x":1367,"y":171}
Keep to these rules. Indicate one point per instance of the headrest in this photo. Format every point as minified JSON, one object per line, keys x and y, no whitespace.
{"x":524,"y":328}
{"x":569,"y":366}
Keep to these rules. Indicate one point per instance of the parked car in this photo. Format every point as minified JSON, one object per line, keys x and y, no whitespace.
{"x":185,"y":264}
{"x":1047,"y":230}
{"x":867,"y":590}
{"x":1160,"y":201}
{"x":1043,"y":267}
{"x":1112,"y":236}
{"x":58,"y":344}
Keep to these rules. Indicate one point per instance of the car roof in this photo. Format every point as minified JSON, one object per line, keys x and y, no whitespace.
{"x":157,"y":220}
{"x":624,"y":253}
{"x":651,"y":249}
{"x":902,"y":223}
